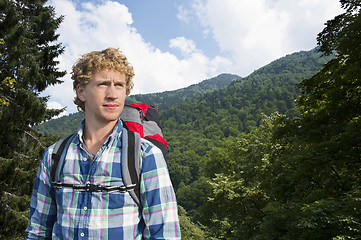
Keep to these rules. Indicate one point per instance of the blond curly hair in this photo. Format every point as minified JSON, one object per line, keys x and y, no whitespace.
{"x":90,"y":63}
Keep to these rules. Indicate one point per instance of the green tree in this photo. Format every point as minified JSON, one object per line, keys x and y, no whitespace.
{"x":329,"y":131}
{"x":7,"y":83}
{"x":240,"y":174}
{"x":28,"y":57}
{"x":189,"y":230}
{"x":28,"y":52}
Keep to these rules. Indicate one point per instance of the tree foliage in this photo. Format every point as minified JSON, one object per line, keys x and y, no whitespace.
{"x":168,"y":99}
{"x":299,"y":178}
{"x":28,"y":66}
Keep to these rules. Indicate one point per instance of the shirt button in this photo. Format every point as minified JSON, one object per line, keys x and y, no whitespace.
{"x":85,"y":159}
{"x":82,"y":234}
{"x":85,"y":208}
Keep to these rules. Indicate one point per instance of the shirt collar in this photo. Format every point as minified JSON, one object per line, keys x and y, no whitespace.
{"x":113,"y":136}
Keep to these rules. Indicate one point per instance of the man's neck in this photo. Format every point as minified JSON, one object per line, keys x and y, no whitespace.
{"x":96,"y":133}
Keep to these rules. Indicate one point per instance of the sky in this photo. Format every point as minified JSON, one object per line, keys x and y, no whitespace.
{"x":176,"y":43}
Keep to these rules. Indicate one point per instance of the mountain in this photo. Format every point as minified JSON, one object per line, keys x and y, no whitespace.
{"x":63,"y":125}
{"x":196,"y":126}
{"x":239,"y":107}
{"x":195,"y":129}
{"x":167,"y":99}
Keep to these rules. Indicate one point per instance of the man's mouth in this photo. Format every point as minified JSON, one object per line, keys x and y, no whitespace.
{"x":111,"y":106}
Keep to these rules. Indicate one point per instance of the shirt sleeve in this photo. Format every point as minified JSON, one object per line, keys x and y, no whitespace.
{"x":160,"y":211}
{"x":42,"y":206}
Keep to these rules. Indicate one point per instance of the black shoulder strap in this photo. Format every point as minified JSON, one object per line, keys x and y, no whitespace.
{"x":57,"y":154}
{"x":133,"y":162}
{"x":130,"y":163}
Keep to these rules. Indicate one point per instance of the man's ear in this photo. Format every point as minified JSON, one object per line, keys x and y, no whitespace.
{"x":80,"y":92}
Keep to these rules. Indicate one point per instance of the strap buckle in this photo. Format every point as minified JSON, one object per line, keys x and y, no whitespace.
{"x":57,"y":185}
{"x":92,"y":188}
{"x":130,"y":187}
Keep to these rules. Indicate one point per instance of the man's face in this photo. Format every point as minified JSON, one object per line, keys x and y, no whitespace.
{"x":104,"y":96}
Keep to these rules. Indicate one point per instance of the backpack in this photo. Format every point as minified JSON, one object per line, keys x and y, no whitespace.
{"x":139,"y":121}
{"x":144,"y":119}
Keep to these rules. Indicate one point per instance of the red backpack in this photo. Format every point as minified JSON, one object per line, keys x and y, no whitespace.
{"x":144,"y":119}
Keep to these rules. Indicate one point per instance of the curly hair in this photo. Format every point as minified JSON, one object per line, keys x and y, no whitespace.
{"x":90,"y":63}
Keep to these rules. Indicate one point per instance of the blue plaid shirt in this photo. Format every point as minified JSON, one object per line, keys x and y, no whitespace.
{"x":70,"y":214}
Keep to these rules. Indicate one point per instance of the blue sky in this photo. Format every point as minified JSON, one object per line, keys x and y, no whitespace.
{"x":157,"y":21}
{"x":176,"y":43}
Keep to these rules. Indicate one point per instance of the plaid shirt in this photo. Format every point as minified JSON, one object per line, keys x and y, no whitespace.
{"x":70,"y":214}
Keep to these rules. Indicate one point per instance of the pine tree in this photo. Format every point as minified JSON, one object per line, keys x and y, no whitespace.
{"x":28,"y":51}
{"x":28,"y":58}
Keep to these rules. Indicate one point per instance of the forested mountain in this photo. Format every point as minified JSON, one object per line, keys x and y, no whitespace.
{"x":196,"y":127}
{"x":168,"y":99}
{"x":239,"y":107}
{"x":62,"y":126}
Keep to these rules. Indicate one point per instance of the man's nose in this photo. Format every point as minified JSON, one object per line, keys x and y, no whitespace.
{"x":111,"y":92}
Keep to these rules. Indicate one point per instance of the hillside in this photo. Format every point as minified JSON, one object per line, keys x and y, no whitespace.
{"x":239,"y":107}
{"x":62,"y":126}
{"x":194,"y":127}
{"x":168,"y":99}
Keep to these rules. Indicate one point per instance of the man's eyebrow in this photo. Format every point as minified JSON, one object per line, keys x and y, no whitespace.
{"x":101,"y":78}
{"x":109,"y":80}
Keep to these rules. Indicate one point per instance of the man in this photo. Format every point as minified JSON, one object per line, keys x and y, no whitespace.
{"x":102,"y":79}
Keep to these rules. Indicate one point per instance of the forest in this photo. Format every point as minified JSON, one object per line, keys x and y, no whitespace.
{"x":273,"y":155}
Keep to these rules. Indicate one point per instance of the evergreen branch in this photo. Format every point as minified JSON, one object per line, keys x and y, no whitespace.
{"x":33,"y":137}
{"x":9,"y":209}
{"x":21,"y":155}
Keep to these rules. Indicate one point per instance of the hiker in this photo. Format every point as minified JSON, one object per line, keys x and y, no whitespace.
{"x":90,"y":200}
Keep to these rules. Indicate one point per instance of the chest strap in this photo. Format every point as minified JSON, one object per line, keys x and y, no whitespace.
{"x":94,"y":188}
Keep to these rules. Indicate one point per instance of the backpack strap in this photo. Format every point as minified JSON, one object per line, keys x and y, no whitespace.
{"x":58,"y":156}
{"x":130,"y":163}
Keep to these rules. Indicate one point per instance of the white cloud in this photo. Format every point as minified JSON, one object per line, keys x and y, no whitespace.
{"x":186,"y":46}
{"x":109,"y":24}
{"x":184,"y":14}
{"x":253,"y":33}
